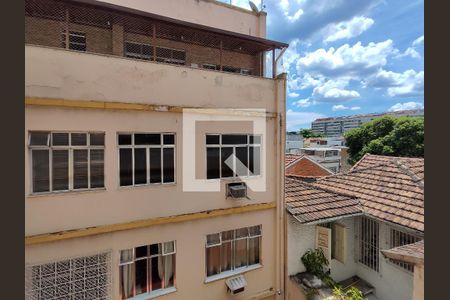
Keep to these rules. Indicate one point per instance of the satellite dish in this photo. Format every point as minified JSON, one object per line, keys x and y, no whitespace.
{"x":253,"y":6}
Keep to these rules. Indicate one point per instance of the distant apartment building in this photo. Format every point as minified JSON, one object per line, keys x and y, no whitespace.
{"x":329,"y":157}
{"x":340,"y":125}
{"x":110,"y":209}
{"x":294,"y":142}
{"x":324,"y":141}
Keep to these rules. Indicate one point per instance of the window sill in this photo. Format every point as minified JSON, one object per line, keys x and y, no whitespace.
{"x":152,"y":185}
{"x":67,"y":192}
{"x":231,"y":273}
{"x":154,"y":294}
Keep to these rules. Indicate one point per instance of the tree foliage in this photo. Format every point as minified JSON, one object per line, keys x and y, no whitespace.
{"x":392,"y":136}
{"x":307,"y":133}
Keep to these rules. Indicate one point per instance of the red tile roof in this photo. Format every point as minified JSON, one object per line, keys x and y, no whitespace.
{"x":389,"y":188}
{"x":290,"y":158}
{"x":301,"y":165}
{"x":308,"y":204}
{"x":413,"y":253}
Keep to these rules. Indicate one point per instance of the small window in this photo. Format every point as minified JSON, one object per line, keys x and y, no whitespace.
{"x":232,"y":250}
{"x":147,"y":270}
{"x":369,"y":243}
{"x":399,"y":238}
{"x":146,"y":158}
{"x":210,"y":66}
{"x":171,"y":56}
{"x":77,"y":41}
{"x":138,"y":50}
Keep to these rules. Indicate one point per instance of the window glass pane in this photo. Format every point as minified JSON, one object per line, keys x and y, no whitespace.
{"x":255,"y":230}
{"x":141,"y":276}
{"x":169,"y":270}
{"x":212,"y":163}
{"x":147,"y":139}
{"x":242,"y":155}
{"x":240,"y":253}
{"x":155,"y":249}
{"x":78,"y":47}
{"x":60,"y":172}
{"x":124,"y":139}
{"x":38,"y":138}
{"x":141,"y":251}
{"x":41,"y":174}
{"x":80,"y":169}
{"x":140,"y":166}
{"x":253,"y":250}
{"x":155,"y":165}
{"x":212,"y":260}
{"x":233,"y":139}
{"x":97,"y":139}
{"x":181,"y":55}
{"x":226,"y":170}
{"x":157,"y":272}
{"x":60,"y":139}
{"x":169,"y":139}
{"x":213,"y":239}
{"x":241,"y":232}
{"x":169,"y":166}
{"x":255,"y":160}
{"x":97,"y":168}
{"x":126,"y":255}
{"x":126,"y":171}
{"x":212,"y":139}
{"x":225,"y":258}
{"x":78,"y":139}
{"x":147,"y":50}
{"x":228,"y":235}
{"x":126,"y":281}
{"x":169,"y":247}
{"x":255,"y":139}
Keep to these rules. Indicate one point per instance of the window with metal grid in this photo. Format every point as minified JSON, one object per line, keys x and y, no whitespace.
{"x":147,"y":270}
{"x":65,"y":161}
{"x":400,"y":238}
{"x":233,"y":250}
{"x":369,"y":234}
{"x":77,"y":40}
{"x":242,"y":151}
{"x":79,"y":278}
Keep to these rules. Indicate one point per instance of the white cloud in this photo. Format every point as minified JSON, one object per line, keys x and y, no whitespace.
{"x":296,"y":120}
{"x":406,"y":84}
{"x":410,"y":51}
{"x":343,"y":107}
{"x":284,"y":4}
{"x":304,"y":102}
{"x":418,"y":41}
{"x":348,"y":29}
{"x":355,"y":62}
{"x":334,"y":91}
{"x":295,"y":16}
{"x":406,"y":106}
{"x":293,"y":94}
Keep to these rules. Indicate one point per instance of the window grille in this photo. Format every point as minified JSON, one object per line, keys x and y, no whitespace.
{"x":65,"y":161}
{"x":232,"y":250}
{"x":146,"y":158}
{"x":400,"y":238}
{"x":96,"y":29}
{"x":243,"y":147}
{"x":79,"y":278}
{"x":147,"y":269}
{"x":369,"y":234}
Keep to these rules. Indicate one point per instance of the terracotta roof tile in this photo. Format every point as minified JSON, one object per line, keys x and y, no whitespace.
{"x":411,"y":252}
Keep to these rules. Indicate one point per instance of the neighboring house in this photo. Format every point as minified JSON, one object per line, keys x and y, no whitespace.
{"x":294,"y":142}
{"x":304,"y":167}
{"x":329,"y":157}
{"x":378,"y":205}
{"x":110,"y":212}
{"x":324,"y":141}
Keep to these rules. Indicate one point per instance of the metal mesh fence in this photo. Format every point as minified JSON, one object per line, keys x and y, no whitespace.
{"x":86,"y":27}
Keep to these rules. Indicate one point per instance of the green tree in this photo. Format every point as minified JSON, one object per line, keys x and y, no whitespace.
{"x":307,"y":133}
{"x":394,"y":136}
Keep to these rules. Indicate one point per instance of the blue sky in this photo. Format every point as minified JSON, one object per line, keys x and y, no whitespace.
{"x":348,"y":57}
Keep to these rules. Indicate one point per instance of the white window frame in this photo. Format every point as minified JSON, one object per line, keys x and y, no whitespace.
{"x":234,"y":146}
{"x":77,"y":34}
{"x":151,"y":293}
{"x":70,"y":149}
{"x":234,"y":270}
{"x":147,"y":152}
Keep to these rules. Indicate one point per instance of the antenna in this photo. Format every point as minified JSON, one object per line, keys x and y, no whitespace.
{"x":253,"y":6}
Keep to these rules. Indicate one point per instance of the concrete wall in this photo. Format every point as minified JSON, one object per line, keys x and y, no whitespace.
{"x":391,"y":282}
{"x":190,"y":240}
{"x":419,"y":279}
{"x":58,"y":73}
{"x":206,"y":12}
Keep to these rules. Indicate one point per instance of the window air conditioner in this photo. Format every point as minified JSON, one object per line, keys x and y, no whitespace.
{"x":236,"y":284}
{"x":237,"y":190}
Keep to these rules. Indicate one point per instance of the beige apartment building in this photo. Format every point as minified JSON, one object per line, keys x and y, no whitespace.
{"x":111,"y":212}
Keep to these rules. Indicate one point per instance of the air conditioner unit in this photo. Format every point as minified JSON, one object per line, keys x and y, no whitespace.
{"x":236,"y":284}
{"x":194,"y":65}
{"x":237,"y":190}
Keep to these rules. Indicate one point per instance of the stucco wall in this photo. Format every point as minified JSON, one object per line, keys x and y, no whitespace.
{"x":205,"y":12}
{"x":59,"y":73}
{"x":190,"y":258}
{"x":300,"y":239}
{"x":419,"y":278}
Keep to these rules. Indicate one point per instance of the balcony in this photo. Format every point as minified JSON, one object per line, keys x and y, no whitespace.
{"x":98,"y":27}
